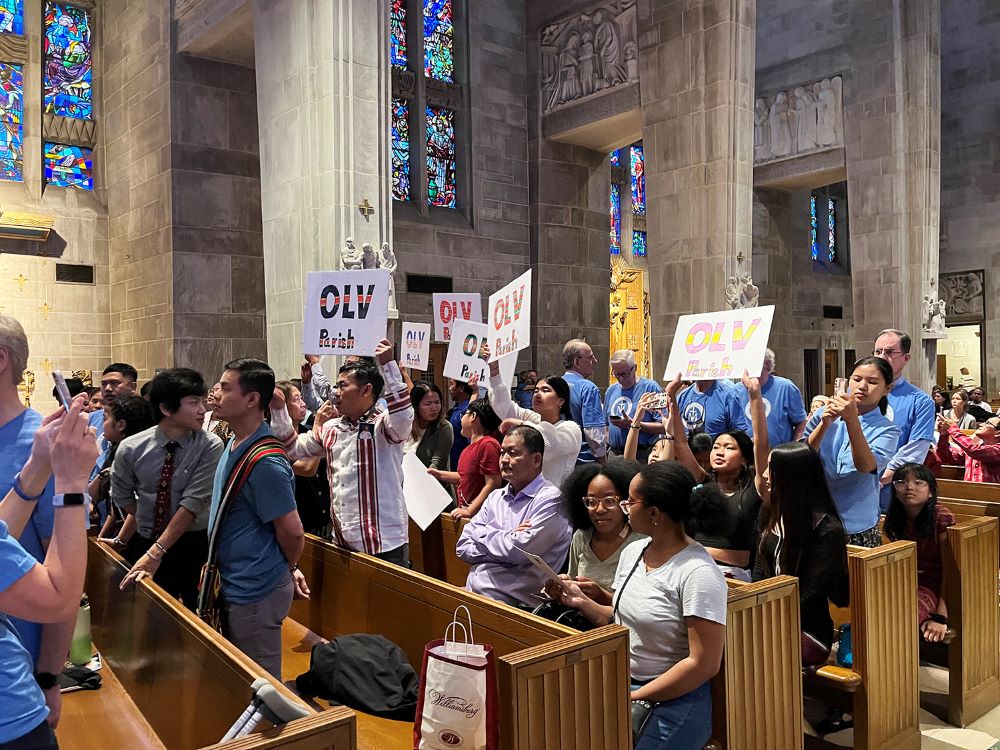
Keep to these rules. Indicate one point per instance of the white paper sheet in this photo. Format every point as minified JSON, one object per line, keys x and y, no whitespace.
{"x":425,"y":497}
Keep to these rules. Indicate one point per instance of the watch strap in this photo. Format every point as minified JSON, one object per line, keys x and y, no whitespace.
{"x":61,"y":499}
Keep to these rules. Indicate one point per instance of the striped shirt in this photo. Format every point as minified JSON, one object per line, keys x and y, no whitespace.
{"x":364,"y":461}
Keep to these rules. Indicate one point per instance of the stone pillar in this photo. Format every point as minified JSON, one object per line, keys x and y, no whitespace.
{"x":697,"y":79}
{"x":322,"y":102}
{"x":893,"y":120}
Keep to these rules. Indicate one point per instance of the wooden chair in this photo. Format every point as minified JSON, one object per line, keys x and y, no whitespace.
{"x":882,"y":687}
{"x":185,"y":682}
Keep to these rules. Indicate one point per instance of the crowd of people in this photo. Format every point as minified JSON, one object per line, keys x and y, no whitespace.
{"x":643,"y":502}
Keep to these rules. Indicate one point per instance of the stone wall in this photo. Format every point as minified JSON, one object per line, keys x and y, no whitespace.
{"x":970,"y":151}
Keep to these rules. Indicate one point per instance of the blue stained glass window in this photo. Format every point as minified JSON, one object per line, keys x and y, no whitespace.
{"x":68,"y":166}
{"x":639,"y":244}
{"x":615,"y":209}
{"x":831,"y":226}
{"x":11,"y":122}
{"x":615,"y":159}
{"x":813,"y":228}
{"x":400,"y":150}
{"x":638,"y":164}
{"x":11,"y":16}
{"x":441,"y":182}
{"x":397,"y":33}
{"x":439,"y":40}
{"x":68,"y":77}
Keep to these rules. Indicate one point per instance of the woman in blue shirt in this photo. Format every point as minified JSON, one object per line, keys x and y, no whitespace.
{"x":856,"y":440}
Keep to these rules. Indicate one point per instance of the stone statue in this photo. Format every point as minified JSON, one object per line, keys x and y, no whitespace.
{"x":829,"y":118}
{"x":802,"y":120}
{"x":732,"y":293}
{"x":929,"y":306}
{"x":607,"y":42}
{"x":761,"y":133}
{"x":567,"y":84}
{"x":368,"y":259}
{"x":938,"y":317}
{"x":387,"y":259}
{"x":781,"y":131}
{"x":588,"y":75}
{"x":632,"y":60}
{"x":805,"y":107}
{"x":749,"y":293}
{"x":350,"y":256}
{"x":963,"y":293}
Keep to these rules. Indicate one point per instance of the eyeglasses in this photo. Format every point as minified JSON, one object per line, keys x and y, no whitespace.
{"x":901,"y":484}
{"x":625,"y":374}
{"x":590,"y":356}
{"x":608,"y":503}
{"x":626,"y":504}
{"x":994,"y":425}
{"x":886,"y":352}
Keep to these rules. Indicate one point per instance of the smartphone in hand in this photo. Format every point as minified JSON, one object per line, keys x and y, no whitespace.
{"x":62,"y":390}
{"x":840,"y":387}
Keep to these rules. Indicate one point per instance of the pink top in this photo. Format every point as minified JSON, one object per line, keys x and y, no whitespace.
{"x":982,"y":460}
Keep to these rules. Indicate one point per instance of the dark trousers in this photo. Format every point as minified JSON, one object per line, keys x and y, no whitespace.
{"x":180,"y":568}
{"x":399,"y":556}
{"x":39,"y":738}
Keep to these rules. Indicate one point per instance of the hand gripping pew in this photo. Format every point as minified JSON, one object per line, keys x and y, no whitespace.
{"x":559,"y":688}
{"x":185,"y":680}
{"x":882,"y":687}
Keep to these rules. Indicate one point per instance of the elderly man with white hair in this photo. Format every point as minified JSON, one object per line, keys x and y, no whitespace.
{"x":620,"y":401}
{"x":585,"y":401}
{"x":786,"y":413}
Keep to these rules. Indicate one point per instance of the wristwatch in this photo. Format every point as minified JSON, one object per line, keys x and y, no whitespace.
{"x":70,"y":498}
{"x":46,"y":680}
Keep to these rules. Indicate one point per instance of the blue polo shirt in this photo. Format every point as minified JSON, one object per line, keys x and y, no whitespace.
{"x":715,"y":411}
{"x":460,"y":442}
{"x":912,"y":411}
{"x":15,"y":448}
{"x":586,"y":408}
{"x":783,"y":406}
{"x":620,"y":401}
{"x":251,"y":563}
{"x":22,"y":704}
{"x":855,"y":494}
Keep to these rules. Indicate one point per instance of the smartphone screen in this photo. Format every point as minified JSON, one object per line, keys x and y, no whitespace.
{"x":840,"y":387}
{"x":61,"y":389}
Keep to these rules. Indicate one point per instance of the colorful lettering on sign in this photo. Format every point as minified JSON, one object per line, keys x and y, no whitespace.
{"x":362,"y":299}
{"x":502,"y":312}
{"x":704,"y":334}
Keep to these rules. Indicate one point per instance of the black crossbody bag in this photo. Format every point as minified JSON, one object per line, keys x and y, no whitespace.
{"x":641,"y":710}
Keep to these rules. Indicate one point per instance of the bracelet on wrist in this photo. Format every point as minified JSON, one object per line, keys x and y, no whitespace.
{"x":19,"y":490}
{"x":939,"y":619}
{"x":161,"y":548}
{"x":635,"y":426}
{"x":119,"y":542}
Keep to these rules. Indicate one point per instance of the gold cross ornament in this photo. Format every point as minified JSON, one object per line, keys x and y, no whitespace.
{"x":45,"y":310}
{"x":47,"y":366}
{"x":20,"y":282}
{"x":366,"y":208}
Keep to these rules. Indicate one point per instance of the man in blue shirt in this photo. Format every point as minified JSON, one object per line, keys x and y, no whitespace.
{"x":619,"y":406}
{"x":118,"y":379}
{"x":525,"y":389}
{"x":712,"y":406}
{"x":786,"y":414}
{"x":910,"y":409}
{"x":585,"y":401}
{"x":460,"y":394}
{"x":260,"y":538}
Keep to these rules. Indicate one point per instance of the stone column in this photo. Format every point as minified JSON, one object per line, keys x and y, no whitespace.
{"x":697,"y":79}
{"x":322,"y":102}
{"x":893,"y":122}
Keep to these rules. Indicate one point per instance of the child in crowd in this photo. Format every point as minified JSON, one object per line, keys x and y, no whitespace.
{"x":914,"y":515}
{"x":479,"y":465}
{"x":980,"y":453}
{"x":123,"y":417}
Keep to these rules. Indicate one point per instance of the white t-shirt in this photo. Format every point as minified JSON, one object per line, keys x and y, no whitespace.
{"x":653,"y":605}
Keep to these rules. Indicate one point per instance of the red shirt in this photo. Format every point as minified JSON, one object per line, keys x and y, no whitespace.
{"x":477,"y":460}
{"x":982,"y":460}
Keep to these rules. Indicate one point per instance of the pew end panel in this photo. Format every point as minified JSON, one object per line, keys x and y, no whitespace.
{"x":186,"y":680}
{"x":761,"y":668}
{"x":455,"y":571}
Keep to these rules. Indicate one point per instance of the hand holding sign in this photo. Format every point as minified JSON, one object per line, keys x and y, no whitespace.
{"x":510,"y":317}
{"x":720,"y":345}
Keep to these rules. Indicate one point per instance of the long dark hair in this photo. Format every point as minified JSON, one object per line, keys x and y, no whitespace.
{"x":885,"y":369}
{"x":420,"y":389}
{"x":745,"y":443}
{"x":896,"y":519}
{"x":561,"y":387}
{"x":621,"y":473}
{"x":799,"y":497}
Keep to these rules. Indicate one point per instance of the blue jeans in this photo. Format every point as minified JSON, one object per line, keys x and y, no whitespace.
{"x":684,"y":723}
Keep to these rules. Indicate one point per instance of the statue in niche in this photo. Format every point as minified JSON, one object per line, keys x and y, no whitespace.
{"x":588,"y":74}
{"x":929,"y":306}
{"x":749,"y":293}
{"x":632,"y":60}
{"x":619,"y":312}
{"x":938,"y":316}
{"x":828,"y":114}
{"x":368,"y":259}
{"x":780,"y":127}
{"x":732,"y":293}
{"x":387,"y":260}
{"x":607,"y":41}
{"x":761,"y":133}
{"x":806,"y":109}
{"x":350,"y":256}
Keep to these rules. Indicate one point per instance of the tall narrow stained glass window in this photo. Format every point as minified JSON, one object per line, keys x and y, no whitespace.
{"x":11,"y":16}
{"x":397,"y":33}
{"x":68,"y":166}
{"x":68,"y":76}
{"x":441,"y":187}
{"x":638,"y":169}
{"x":615,"y":209}
{"x":813,"y":228}
{"x":831,"y":228}
{"x":400,"y":149}
{"x":639,"y":244}
{"x":439,"y":40}
{"x":11,"y":122}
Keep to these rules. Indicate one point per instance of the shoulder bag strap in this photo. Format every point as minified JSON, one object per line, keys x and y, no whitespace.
{"x":618,"y":597}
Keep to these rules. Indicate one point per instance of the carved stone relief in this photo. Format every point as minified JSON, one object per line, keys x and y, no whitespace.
{"x":741,"y":292}
{"x":799,"y":121}
{"x":588,"y":55}
{"x":963,"y":295}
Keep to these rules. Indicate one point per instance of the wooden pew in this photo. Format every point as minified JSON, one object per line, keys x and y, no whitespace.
{"x":186,"y":682}
{"x":959,"y":489}
{"x":567,"y":687}
{"x":953,"y":473}
{"x":973,"y":655}
{"x":432,"y":552}
{"x":882,"y":687}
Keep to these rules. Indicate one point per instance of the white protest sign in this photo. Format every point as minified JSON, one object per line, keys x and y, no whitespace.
{"x":719,"y":345}
{"x":509,"y":317}
{"x":415,"y":345}
{"x":424,"y":496}
{"x":462,"y":360}
{"x":346,"y":312}
{"x":452,"y":307}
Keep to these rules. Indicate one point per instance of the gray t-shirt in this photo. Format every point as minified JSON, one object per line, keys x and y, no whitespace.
{"x":654,"y":603}
{"x":583,"y":561}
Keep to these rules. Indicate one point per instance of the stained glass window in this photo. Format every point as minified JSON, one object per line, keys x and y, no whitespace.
{"x":615,"y":160}
{"x":441,"y":187}
{"x":639,"y":244}
{"x":68,"y":74}
{"x":397,"y":33}
{"x":68,"y":166}
{"x":813,"y":228}
{"x":831,"y":226}
{"x":439,"y":40}
{"x":11,"y":119}
{"x":11,"y":16}
{"x":638,"y":180}
{"x":615,"y":209}
{"x":400,"y":150}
